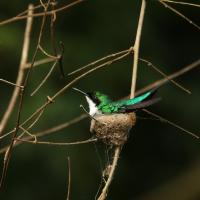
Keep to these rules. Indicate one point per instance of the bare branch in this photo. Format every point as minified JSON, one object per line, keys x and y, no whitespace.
{"x":39,"y":62}
{"x":180,"y":14}
{"x":165,"y":75}
{"x":182,"y":3}
{"x":170,"y":77}
{"x":47,"y":131}
{"x":20,"y":76}
{"x":45,"y":79}
{"x":91,"y":140}
{"x":10,"y":83}
{"x":69,"y":178}
{"x":136,"y":48}
{"x":18,"y":17}
{"x":111,"y":56}
{"x":16,"y":93}
{"x":171,"y":123}
{"x":111,"y":174}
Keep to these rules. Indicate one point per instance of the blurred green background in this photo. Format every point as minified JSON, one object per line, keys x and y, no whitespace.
{"x":158,"y":162}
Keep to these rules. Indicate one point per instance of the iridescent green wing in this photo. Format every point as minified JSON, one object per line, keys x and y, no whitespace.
{"x":113,"y":107}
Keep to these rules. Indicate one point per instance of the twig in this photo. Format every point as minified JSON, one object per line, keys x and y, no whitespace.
{"x":111,"y":56}
{"x":27,"y":132}
{"x":39,"y":62}
{"x":20,"y":76}
{"x":59,"y":143}
{"x":44,"y":79}
{"x":180,"y":14}
{"x":47,"y":54}
{"x":16,"y":93}
{"x":136,"y":48}
{"x":48,"y":131}
{"x":41,"y":14}
{"x":182,"y":3}
{"x":111,"y":174}
{"x":69,"y":178}
{"x":170,"y":77}
{"x":10,"y":83}
{"x":165,"y":75}
{"x":171,"y":123}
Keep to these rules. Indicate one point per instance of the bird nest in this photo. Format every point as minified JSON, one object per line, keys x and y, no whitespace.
{"x":113,"y":129}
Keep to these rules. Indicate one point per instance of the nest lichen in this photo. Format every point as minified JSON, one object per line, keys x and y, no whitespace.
{"x":113,"y":129}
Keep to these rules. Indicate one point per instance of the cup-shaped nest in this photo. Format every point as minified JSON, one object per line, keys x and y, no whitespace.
{"x":113,"y":129}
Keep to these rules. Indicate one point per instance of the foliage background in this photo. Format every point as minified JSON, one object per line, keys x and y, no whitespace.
{"x":158,"y":159}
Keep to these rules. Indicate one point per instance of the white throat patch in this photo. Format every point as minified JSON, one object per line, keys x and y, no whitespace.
{"x":93,"y":108}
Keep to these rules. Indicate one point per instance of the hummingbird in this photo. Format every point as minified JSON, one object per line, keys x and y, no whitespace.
{"x":100,"y":103}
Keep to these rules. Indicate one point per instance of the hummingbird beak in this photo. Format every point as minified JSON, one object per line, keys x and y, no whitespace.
{"x":76,"y":89}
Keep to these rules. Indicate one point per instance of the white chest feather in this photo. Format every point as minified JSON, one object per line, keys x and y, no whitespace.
{"x":92,"y":106}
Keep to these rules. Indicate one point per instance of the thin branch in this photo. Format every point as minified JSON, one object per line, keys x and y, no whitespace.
{"x":69,"y":178}
{"x":48,"y":131}
{"x":44,"y":79}
{"x":39,"y":62}
{"x":111,"y":174}
{"x":47,"y":54}
{"x":111,"y":56}
{"x":171,"y":123}
{"x":16,"y":93}
{"x":41,"y":14}
{"x":165,"y":75}
{"x":10,"y":83}
{"x":136,"y":48}
{"x":180,"y":14}
{"x":20,"y":76}
{"x":170,"y":77}
{"x":182,"y":3}
{"x":59,"y":143}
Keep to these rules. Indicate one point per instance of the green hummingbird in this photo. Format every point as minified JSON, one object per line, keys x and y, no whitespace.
{"x":100,"y":103}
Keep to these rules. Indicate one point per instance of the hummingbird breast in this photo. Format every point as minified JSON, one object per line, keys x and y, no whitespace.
{"x":92,"y":106}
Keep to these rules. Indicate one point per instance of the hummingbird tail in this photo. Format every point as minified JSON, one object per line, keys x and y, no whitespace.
{"x":141,"y":105}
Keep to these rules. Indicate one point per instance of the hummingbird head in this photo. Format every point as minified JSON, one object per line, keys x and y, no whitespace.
{"x":94,"y":99}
